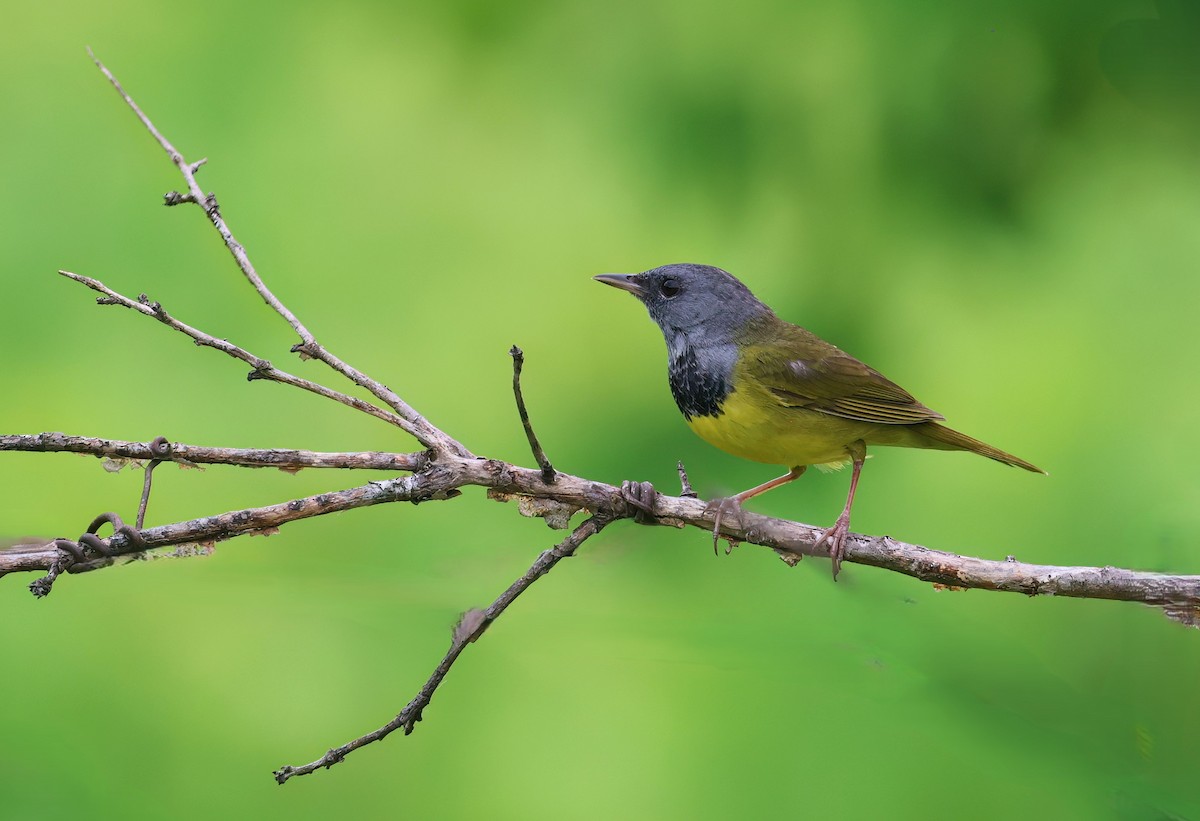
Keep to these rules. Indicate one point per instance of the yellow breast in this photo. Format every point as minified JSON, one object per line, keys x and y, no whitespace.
{"x":753,"y":425}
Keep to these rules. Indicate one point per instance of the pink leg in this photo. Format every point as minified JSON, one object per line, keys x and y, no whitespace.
{"x":836,"y":535}
{"x":733,"y":504}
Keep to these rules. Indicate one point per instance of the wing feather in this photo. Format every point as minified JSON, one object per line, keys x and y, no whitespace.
{"x":824,"y":379}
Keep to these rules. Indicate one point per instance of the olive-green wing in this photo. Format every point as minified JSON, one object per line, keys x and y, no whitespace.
{"x":810,"y":373}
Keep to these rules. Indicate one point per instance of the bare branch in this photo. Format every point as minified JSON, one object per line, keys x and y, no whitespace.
{"x":176,"y":157}
{"x":263,"y":369}
{"x":437,"y":484}
{"x":414,"y":423}
{"x":284,"y":459}
{"x":791,"y":540}
{"x":539,"y":455}
{"x":470,"y":628}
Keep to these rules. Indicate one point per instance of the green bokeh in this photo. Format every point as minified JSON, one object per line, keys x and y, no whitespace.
{"x":993,"y":203}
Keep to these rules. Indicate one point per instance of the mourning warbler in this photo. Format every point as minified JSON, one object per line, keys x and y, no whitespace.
{"x":767,"y":390}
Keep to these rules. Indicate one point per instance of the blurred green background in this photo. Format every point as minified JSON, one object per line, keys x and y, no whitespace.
{"x":996,"y":204}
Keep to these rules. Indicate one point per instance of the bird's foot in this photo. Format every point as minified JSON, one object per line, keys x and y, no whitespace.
{"x":836,"y":539}
{"x":640,"y":496}
{"x":729,"y":506}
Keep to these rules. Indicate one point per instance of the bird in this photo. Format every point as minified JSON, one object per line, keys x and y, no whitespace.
{"x":763,"y":389}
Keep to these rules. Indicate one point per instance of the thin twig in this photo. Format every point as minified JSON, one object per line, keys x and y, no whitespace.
{"x":184,"y":454}
{"x":263,"y":369}
{"x":470,"y":628}
{"x":160,"y":448}
{"x":145,"y":500}
{"x":414,"y":423}
{"x":548,"y":473}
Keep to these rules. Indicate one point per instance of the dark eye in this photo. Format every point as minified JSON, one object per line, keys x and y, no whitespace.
{"x":670,"y":287}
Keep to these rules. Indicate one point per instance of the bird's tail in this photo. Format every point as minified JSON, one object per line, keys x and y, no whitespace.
{"x":944,"y":438}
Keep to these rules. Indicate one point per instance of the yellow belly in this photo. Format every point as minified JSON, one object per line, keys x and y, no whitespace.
{"x":755,"y":426}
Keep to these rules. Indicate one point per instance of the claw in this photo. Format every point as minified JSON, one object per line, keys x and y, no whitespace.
{"x":836,"y":535}
{"x":836,"y":538}
{"x":641,"y":497}
{"x":731,"y":505}
{"x":734,"y":503}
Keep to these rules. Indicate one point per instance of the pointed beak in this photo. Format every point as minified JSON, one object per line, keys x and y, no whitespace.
{"x":626,"y":282}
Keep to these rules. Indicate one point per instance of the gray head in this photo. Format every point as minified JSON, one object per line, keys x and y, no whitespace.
{"x":698,"y":301}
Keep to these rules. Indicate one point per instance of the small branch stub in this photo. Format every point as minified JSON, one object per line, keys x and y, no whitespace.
{"x":548,"y":473}
{"x":685,"y":486}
